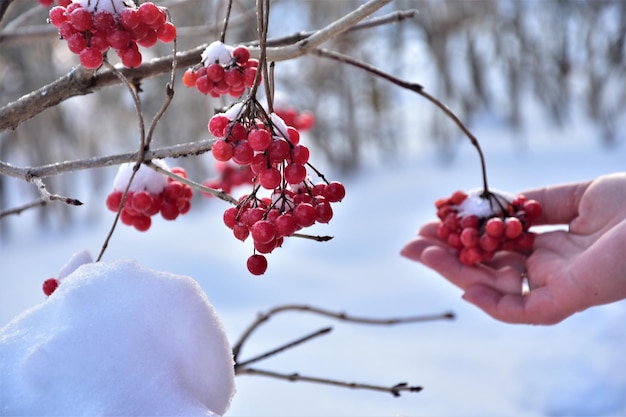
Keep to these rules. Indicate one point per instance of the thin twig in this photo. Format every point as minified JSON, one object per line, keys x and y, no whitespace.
{"x":282,"y":348}
{"x":202,"y":188}
{"x":264,"y":317}
{"x":47,"y":196}
{"x":394,"y":390}
{"x":417,"y":88}
{"x":18,"y":210}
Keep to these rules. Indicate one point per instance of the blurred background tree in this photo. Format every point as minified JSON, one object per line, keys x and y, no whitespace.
{"x":488,"y":57}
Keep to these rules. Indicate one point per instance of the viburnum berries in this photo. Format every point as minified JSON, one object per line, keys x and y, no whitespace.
{"x":479,"y":225}
{"x":261,"y":149}
{"x":92,"y":27}
{"x":49,"y":286}
{"x":149,"y":194}
{"x":223,"y":70}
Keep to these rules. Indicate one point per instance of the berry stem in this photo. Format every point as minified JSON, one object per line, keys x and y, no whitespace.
{"x":417,"y":88}
{"x":226,"y":19}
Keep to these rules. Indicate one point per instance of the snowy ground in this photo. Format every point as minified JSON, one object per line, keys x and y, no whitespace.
{"x":469,"y":366}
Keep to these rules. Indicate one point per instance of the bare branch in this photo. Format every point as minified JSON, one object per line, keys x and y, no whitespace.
{"x":394,"y":390}
{"x":264,"y":317}
{"x":284,"y":347}
{"x":47,"y":196}
{"x":81,"y":81}
{"x":18,"y":210}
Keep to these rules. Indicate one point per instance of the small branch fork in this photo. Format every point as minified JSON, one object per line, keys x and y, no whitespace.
{"x":242,"y":366}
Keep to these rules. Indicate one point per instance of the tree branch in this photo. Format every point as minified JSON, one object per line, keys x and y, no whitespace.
{"x":80,"y":81}
{"x":18,"y":210}
{"x":394,"y":390}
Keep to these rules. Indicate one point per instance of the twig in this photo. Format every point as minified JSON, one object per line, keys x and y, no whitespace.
{"x":47,"y":196}
{"x":394,"y":390}
{"x":174,"y":151}
{"x":318,"y":333}
{"x":264,"y":317}
{"x":18,"y":210}
{"x":202,"y":188}
{"x":417,"y":88}
{"x":312,"y":237}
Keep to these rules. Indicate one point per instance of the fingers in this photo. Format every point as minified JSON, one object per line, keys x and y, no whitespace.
{"x":537,"y":307}
{"x":560,"y":203}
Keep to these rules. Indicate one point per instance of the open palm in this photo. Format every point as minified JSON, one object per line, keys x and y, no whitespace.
{"x":569,"y":270}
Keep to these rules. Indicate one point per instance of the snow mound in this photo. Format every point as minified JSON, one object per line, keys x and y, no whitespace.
{"x":117,"y":339}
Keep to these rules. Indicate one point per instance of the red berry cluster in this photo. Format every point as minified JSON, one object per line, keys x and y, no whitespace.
{"x":229,"y":177}
{"x":50,"y":285}
{"x":479,"y":226}
{"x":92,"y":28}
{"x":271,"y":149}
{"x":224,"y":70}
{"x":269,"y":220}
{"x":139,"y":206}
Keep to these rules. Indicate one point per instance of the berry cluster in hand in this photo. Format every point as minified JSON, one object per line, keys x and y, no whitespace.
{"x":249,"y":137}
{"x":169,"y":197}
{"x":478,"y":226}
{"x":92,"y":27}
{"x":224,"y":70}
{"x":49,"y":286}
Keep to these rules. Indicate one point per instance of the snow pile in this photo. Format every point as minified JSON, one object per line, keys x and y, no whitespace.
{"x":117,"y":339}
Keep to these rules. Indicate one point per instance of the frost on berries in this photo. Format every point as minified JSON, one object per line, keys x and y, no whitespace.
{"x":479,"y":225}
{"x":262,"y":150}
{"x":149,"y":194}
{"x":223,"y":70}
{"x":92,"y":27}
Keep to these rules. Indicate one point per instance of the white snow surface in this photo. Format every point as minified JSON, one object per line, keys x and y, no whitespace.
{"x":217,"y":52}
{"x":146,"y":178}
{"x":117,"y":338}
{"x":481,"y":207}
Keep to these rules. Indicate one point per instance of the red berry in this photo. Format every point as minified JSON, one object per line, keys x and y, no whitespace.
{"x":222,"y":150}
{"x":114,"y":200}
{"x":149,"y":40}
{"x":259,"y":139}
{"x":295,"y":173}
{"x":167,"y":32}
{"x":149,"y":13}
{"x":81,"y":19}
{"x":300,"y":154}
{"x":270,"y":178}
{"x":142,"y":222}
{"x":241,"y":231}
{"x":215,"y":72}
{"x":49,"y":286}
{"x":469,"y":237}
{"x":469,"y":221}
{"x":257,"y":264}
{"x":142,"y":201}
{"x":189,"y":78}
{"x":131,"y":57}
{"x":304,"y":214}
{"x":285,"y":225}
{"x":334,"y":191}
{"x":533,"y":209}
{"x":128,"y":18}
{"x":494,"y":227}
{"x":512,"y":228}
{"x":230,"y":217}
{"x":173,"y":191}
{"x":278,"y":150}
{"x":103,"y":21}
{"x":458,"y":197}
{"x":241,"y":54}
{"x":488,"y":243}
{"x":218,"y":126}
{"x":118,"y":39}
{"x":293,"y":135}
{"x":57,"y":15}
{"x":263,"y":231}
{"x":91,"y":58}
{"x":324,"y":212}
{"x":169,"y":211}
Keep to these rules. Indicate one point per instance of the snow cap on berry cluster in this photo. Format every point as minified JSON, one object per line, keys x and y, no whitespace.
{"x":483,"y":207}
{"x":146,"y":178}
{"x":112,"y":6}
{"x":279,"y":125}
{"x":234,"y":111}
{"x":217,"y":52}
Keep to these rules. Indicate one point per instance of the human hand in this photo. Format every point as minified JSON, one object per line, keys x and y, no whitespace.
{"x":568,"y":271}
